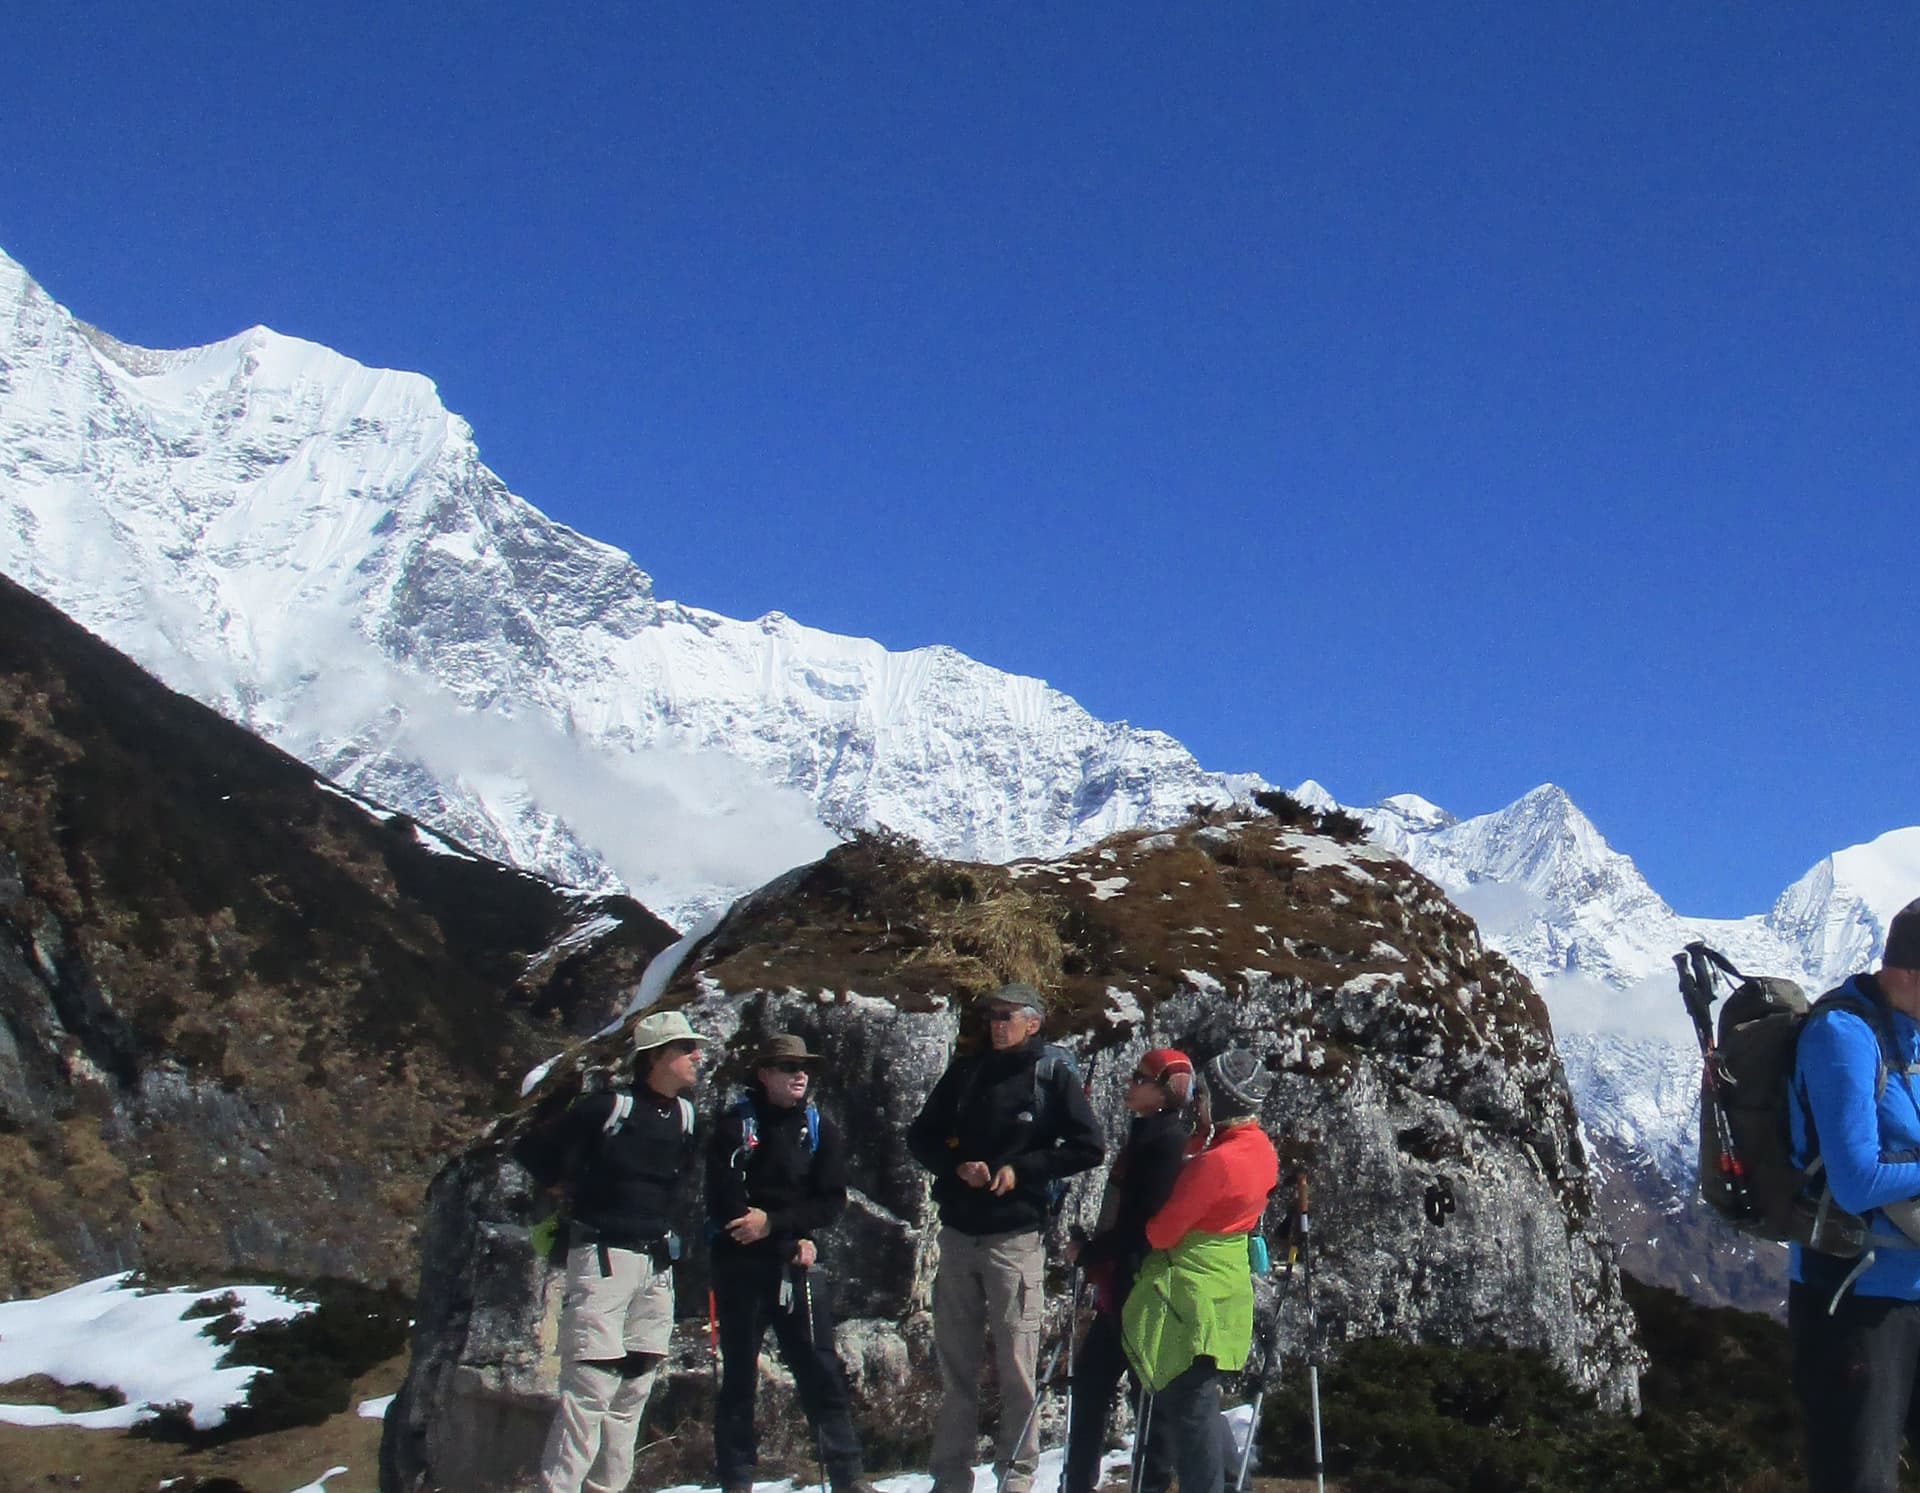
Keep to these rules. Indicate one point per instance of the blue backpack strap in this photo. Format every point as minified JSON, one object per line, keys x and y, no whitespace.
{"x":813,"y":1128}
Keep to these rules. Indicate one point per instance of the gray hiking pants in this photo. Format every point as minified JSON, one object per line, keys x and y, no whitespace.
{"x":988,"y":1285}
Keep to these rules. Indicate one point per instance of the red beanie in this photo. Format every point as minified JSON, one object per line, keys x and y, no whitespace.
{"x":1168,"y":1067}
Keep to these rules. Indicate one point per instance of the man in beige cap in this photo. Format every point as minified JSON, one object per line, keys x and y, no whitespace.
{"x":776,"y":1176}
{"x":635,"y":1151}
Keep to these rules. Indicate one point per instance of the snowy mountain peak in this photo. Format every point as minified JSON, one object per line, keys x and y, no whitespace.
{"x":1839,"y":911}
{"x":314,"y":547}
{"x":1416,"y":812}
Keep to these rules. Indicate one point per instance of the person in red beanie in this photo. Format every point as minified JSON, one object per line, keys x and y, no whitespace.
{"x":1142,"y":1177}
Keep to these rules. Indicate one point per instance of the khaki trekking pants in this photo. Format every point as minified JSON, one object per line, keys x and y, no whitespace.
{"x":988,"y":1286}
{"x":606,"y":1318}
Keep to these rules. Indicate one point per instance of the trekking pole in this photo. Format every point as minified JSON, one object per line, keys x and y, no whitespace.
{"x":1142,"y":1424}
{"x":713,"y":1340}
{"x":1073,"y":1324}
{"x":1271,"y":1334}
{"x":806,"y":1305}
{"x":1313,"y":1387}
{"x":1039,"y":1391}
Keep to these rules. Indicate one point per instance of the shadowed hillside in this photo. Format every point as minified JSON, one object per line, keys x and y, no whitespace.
{"x":243,"y":1016}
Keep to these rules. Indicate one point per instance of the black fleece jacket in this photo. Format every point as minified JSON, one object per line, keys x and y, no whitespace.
{"x":983,"y":1109}
{"x":628,"y":1181}
{"x":800,"y":1191}
{"x":1143,"y":1175}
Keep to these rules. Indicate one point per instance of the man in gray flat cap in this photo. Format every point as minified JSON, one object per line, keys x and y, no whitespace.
{"x":632,"y":1152}
{"x":998,"y":1128}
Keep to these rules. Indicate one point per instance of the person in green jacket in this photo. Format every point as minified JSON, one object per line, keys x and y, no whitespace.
{"x":1189,"y":1317}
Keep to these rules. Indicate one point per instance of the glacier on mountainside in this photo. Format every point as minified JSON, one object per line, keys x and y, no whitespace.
{"x":315,"y":548}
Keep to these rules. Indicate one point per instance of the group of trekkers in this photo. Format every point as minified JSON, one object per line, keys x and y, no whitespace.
{"x":1004,"y":1126}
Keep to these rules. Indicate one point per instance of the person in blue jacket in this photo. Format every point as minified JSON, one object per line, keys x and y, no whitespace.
{"x":1855,"y":1323}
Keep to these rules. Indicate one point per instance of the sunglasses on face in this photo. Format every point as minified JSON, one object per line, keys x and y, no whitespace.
{"x":788,"y":1067}
{"x":681,"y":1047}
{"x":1005,"y":1015}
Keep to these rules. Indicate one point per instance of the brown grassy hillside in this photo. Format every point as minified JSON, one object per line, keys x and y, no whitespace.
{"x":242,"y":1019}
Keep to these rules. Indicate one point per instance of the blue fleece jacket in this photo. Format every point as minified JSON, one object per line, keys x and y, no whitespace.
{"x":1869,"y":1146}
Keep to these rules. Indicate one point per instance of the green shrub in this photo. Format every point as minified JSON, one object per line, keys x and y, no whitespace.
{"x":1285,"y":807}
{"x":1718,"y":1414}
{"x":1347,"y":828}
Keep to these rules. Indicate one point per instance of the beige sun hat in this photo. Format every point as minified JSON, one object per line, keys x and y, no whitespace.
{"x":659,"y":1028}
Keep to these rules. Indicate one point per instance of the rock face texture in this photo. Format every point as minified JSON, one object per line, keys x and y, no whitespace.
{"x":243,"y":1017}
{"x":1408,"y":1057}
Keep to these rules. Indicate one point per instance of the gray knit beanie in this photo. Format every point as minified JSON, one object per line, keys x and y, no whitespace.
{"x":1237,"y":1084}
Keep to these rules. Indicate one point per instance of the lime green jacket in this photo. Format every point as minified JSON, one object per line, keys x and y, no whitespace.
{"x":1192,"y":1301}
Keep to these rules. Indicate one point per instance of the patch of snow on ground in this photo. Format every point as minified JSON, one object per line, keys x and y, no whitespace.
{"x":1046,"y":1475}
{"x":664,"y":965}
{"x":374,"y":1409}
{"x":1105,"y":890}
{"x":1383,"y":950}
{"x":318,"y":1485}
{"x":141,"y":1344}
{"x":1122,"y":1007}
{"x":1378,"y":980}
{"x":365,"y":806}
{"x":1315,"y":851}
{"x":584,"y":933}
{"x":1203,"y":982}
{"x":535,"y":1075}
{"x":426,"y":839}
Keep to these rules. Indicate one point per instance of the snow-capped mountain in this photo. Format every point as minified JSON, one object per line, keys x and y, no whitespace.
{"x":1577,"y":916}
{"x":316,"y":549}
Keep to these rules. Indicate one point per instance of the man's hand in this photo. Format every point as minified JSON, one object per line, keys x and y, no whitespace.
{"x":804,"y":1254}
{"x":975,"y":1173}
{"x":1003,"y":1181}
{"x":749,"y":1228}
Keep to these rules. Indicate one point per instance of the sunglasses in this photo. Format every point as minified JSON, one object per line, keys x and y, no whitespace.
{"x":1006,"y":1014}
{"x":680,"y":1047}
{"x":788,"y":1067}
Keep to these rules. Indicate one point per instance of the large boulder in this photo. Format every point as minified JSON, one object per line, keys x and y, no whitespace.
{"x":1411,"y":1062}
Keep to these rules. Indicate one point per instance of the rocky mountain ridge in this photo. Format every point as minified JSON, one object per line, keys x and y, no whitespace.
{"x":1406,"y":1054}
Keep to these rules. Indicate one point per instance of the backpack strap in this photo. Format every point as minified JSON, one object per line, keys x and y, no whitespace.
{"x":813,"y":1128}
{"x":622,"y":1108}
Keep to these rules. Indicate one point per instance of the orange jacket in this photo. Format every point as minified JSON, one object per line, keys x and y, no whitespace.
{"x":1223,"y":1190}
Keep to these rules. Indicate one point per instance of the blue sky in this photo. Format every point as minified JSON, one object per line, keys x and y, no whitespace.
{"x":1416,"y":397}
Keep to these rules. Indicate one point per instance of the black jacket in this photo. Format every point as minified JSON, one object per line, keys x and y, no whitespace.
{"x":800,"y":1190}
{"x":1143,"y":1175}
{"x":987,"y":1107}
{"x":627,"y":1183}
